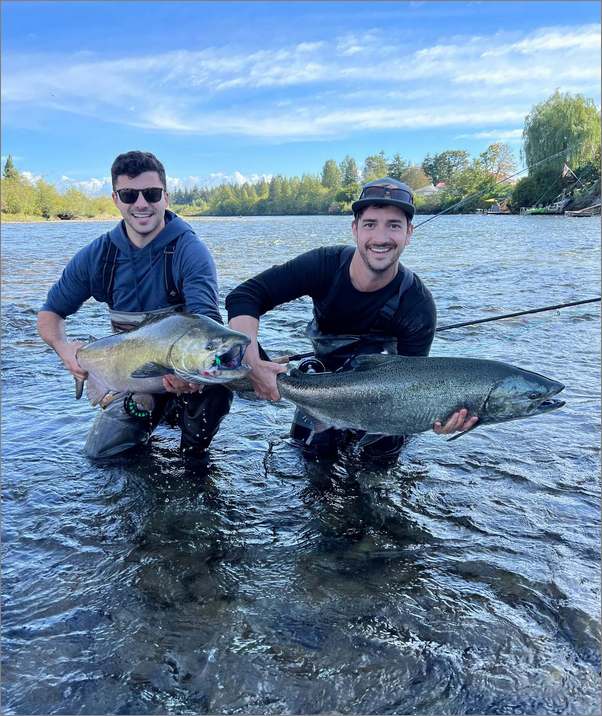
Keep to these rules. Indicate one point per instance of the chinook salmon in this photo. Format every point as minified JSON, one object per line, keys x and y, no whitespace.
{"x":397,"y":395}
{"x":190,"y":346}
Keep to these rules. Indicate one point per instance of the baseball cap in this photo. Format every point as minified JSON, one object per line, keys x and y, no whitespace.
{"x":386,"y":191}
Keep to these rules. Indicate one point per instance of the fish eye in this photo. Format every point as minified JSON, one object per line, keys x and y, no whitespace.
{"x":533,"y":396}
{"x":210,"y":346}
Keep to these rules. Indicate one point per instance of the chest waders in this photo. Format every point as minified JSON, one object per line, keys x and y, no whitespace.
{"x":139,"y":406}
{"x":129,"y":422}
{"x":333,"y":352}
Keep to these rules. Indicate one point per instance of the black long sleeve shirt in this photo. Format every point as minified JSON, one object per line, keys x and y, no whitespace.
{"x":349,"y":312}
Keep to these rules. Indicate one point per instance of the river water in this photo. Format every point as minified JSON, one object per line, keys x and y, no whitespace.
{"x":465,"y":580}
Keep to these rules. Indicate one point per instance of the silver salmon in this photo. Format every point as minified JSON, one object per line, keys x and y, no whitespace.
{"x":190,"y":346}
{"x":397,"y":395}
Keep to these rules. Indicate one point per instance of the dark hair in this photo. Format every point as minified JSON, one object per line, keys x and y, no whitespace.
{"x":357,"y":215}
{"x":134,"y":163}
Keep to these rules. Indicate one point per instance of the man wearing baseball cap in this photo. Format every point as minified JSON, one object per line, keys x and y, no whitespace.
{"x":365,"y":302}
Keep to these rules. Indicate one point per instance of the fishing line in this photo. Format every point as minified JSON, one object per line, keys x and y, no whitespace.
{"x":488,"y":189}
{"x":300,"y":356}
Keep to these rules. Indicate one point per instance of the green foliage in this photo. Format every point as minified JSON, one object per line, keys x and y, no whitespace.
{"x":498,"y":160}
{"x":375,"y":167}
{"x":474,"y":179}
{"x":563,"y":122}
{"x":21,"y":199}
{"x":589,"y":171}
{"x":47,"y":199}
{"x":526,"y":192}
{"x":397,"y":167}
{"x":18,"y":196}
{"x":337,"y":186}
{"x":429,"y":204}
{"x":415,"y":177}
{"x":349,"y":172}
{"x":442,"y":167}
{"x":10,"y":171}
{"x":331,"y":174}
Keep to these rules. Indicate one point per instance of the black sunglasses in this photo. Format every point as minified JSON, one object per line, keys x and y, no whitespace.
{"x":385,"y":192}
{"x":130,"y":196}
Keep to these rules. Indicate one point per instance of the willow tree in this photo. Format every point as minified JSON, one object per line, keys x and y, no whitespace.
{"x":563,"y":123}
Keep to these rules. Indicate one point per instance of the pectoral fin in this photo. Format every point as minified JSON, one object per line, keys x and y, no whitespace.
{"x":191,"y":377}
{"x":96,"y":390}
{"x":316,"y":427}
{"x":368,"y":439}
{"x":79,"y":387}
{"x":151,"y":370}
{"x":459,"y":435}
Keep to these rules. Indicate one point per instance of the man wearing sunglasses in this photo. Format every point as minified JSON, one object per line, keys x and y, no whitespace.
{"x":365,"y":302}
{"x":150,"y":264}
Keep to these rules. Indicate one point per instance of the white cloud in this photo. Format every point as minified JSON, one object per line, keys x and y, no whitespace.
{"x":314,"y":89}
{"x":586,"y":37}
{"x":217,"y":178}
{"x":495,"y":135}
{"x":102,"y":186}
{"x":31,"y":178}
{"x":213,"y":179}
{"x":92,"y":186}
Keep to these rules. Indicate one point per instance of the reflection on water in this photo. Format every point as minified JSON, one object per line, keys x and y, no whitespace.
{"x":465,"y":579}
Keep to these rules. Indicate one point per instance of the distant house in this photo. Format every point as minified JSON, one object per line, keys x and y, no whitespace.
{"x":427,"y":190}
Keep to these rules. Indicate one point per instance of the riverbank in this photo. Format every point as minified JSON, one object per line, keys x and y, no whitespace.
{"x":29,"y":219}
{"x":32,"y":219}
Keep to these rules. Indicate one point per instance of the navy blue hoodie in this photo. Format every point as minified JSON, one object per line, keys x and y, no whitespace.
{"x":139,"y":283}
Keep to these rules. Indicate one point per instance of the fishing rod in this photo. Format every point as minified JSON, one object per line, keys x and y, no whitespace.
{"x":518,"y":313}
{"x":488,"y":189}
{"x":300,"y":356}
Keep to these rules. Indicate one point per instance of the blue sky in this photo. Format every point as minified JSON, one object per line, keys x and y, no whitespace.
{"x":237,"y":90}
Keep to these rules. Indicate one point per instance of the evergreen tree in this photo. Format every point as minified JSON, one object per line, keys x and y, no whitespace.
{"x":396,"y":167}
{"x":10,"y":172}
{"x":349,"y":172}
{"x":375,"y":167}
{"x":350,"y":186}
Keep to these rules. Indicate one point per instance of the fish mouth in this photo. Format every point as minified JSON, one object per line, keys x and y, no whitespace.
{"x":549,"y":404}
{"x":231,"y":359}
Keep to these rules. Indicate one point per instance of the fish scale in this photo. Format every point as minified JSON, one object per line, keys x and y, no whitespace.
{"x":190,"y":346}
{"x":398,"y":395}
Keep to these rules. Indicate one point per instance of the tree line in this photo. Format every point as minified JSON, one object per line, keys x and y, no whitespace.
{"x":21,"y":197}
{"x":562,"y":122}
{"x":333,"y":190}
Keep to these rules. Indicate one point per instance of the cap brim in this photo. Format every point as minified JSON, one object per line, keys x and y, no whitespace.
{"x":408,"y":209}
